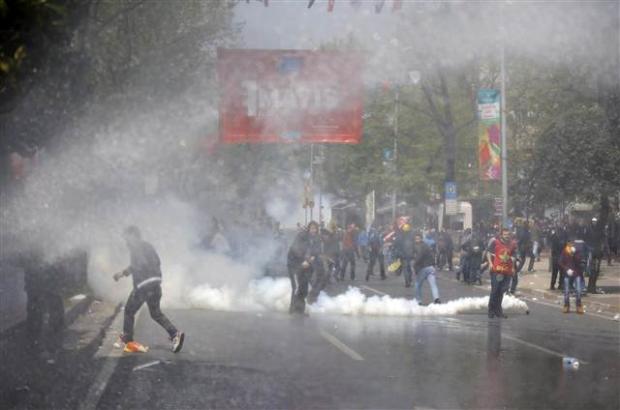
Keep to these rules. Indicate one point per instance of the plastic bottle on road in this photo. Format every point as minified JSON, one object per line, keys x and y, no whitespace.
{"x":570,"y":363}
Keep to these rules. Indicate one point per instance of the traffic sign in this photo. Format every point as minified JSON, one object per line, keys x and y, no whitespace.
{"x":450,"y":190}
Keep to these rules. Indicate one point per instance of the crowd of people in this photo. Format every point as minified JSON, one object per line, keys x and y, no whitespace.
{"x":320,"y":255}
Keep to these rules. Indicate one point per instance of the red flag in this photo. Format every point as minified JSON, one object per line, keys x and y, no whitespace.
{"x":330,"y":5}
{"x":397,"y":5}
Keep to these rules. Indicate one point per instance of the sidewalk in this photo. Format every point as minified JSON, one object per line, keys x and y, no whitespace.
{"x":60,"y":379}
{"x":537,"y":284}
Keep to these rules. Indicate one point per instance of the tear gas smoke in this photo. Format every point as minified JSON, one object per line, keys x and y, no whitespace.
{"x":139,"y":162}
{"x":270,"y":294}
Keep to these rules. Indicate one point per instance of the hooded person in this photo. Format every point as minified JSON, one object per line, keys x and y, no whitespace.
{"x":375,"y":249}
{"x":594,"y":240}
{"x":424,"y":268}
{"x":573,"y":262}
{"x":303,"y":256}
{"x":145,"y":270}
{"x":403,"y":250}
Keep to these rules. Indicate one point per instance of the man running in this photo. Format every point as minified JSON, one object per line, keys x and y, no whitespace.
{"x":145,"y":269}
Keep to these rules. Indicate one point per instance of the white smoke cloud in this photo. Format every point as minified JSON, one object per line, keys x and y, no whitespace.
{"x":270,"y":294}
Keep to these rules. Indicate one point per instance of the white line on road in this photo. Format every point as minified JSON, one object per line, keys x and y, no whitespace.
{"x":374,"y":290}
{"x":535,"y":346}
{"x":341,"y":346}
{"x":145,"y":365}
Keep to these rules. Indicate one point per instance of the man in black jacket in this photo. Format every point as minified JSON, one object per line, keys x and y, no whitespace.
{"x":403,"y":249}
{"x":557,"y":241}
{"x":145,"y":270}
{"x":303,"y":258}
{"x":424,"y":268}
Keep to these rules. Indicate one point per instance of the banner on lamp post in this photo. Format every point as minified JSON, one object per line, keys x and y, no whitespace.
{"x":489,"y":135}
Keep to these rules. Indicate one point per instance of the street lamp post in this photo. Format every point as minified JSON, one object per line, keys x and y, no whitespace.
{"x":396,"y":102}
{"x":414,"y":78}
{"x":504,"y":155}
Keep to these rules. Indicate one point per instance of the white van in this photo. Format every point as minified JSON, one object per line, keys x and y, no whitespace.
{"x":459,"y":222}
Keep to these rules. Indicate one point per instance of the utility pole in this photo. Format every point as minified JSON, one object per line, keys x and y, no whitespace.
{"x":396,"y":103}
{"x":504,"y":156}
{"x":320,"y":179}
{"x":311,"y":180}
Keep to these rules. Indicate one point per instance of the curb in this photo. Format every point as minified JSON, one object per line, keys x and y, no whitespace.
{"x":71,"y":314}
{"x":587,"y":301}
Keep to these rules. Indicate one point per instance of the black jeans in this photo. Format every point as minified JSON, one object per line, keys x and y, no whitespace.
{"x":498,"y":287}
{"x":348,"y":256}
{"x":514,"y":282}
{"x":319,"y":281}
{"x":555,"y":270}
{"x":300,"y":278}
{"x":151,"y":294}
{"x":376,"y":256}
{"x":407,"y":269}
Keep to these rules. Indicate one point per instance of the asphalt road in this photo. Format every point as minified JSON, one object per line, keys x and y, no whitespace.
{"x":272,"y":360}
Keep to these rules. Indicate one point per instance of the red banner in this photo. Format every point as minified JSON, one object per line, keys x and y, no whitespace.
{"x":286,"y":96}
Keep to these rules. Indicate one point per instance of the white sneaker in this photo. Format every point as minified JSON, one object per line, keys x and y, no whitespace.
{"x":119,"y":344}
{"x":177,"y":342}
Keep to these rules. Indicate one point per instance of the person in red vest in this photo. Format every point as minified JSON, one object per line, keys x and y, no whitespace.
{"x":501,"y":255}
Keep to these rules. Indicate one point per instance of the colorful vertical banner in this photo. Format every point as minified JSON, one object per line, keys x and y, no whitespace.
{"x":489,"y":129}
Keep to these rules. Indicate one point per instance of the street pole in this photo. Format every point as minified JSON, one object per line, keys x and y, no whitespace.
{"x":322,"y":156}
{"x":504,"y":156}
{"x":396,"y":102}
{"x":311,"y":179}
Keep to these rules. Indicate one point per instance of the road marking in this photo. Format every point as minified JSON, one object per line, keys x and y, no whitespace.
{"x":145,"y":365}
{"x":514,"y":339}
{"x":537,"y":347}
{"x":341,"y":346}
{"x":374,"y":290}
